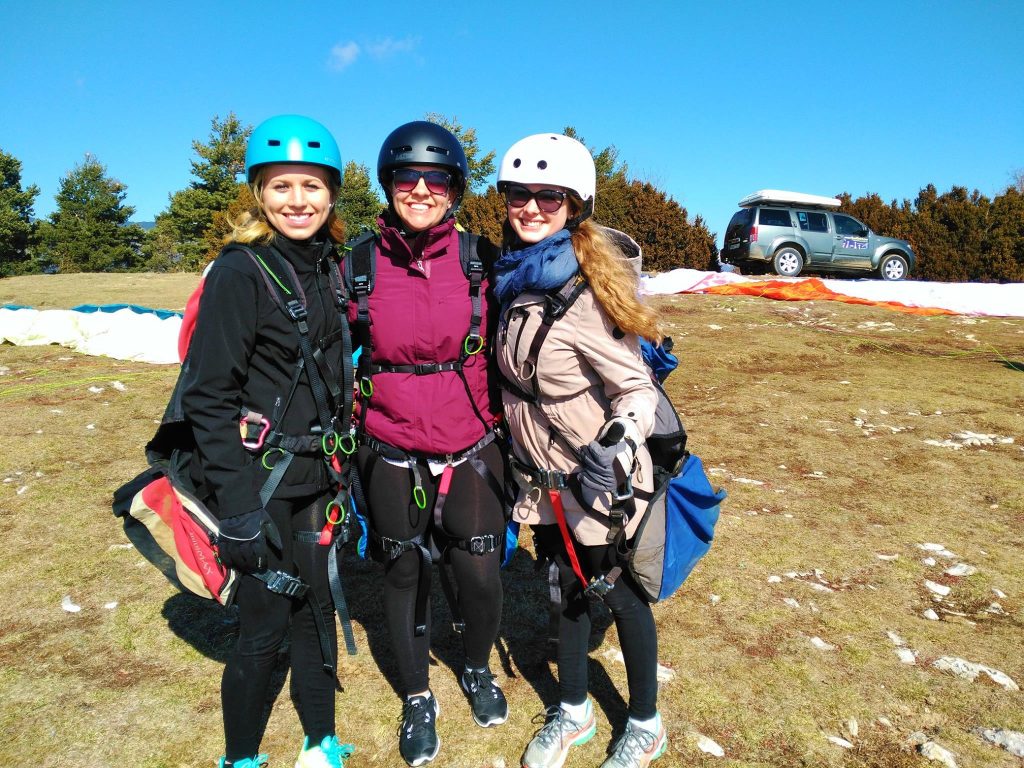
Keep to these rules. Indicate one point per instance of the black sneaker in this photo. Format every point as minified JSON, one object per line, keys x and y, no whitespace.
{"x":485,"y":697}
{"x":417,"y":736}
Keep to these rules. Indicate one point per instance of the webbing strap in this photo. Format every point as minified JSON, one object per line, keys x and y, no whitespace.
{"x":395,"y":548}
{"x":337,"y":595}
{"x":563,"y":527}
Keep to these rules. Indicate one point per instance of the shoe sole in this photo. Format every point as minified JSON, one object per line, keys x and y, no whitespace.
{"x":482,"y":724}
{"x":428,"y":758}
{"x":491,"y":722}
{"x":580,"y":740}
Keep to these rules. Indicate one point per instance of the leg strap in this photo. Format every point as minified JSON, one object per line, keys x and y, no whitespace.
{"x":392,"y":549}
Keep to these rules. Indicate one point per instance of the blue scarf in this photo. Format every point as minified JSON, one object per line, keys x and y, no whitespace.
{"x":540,"y":267}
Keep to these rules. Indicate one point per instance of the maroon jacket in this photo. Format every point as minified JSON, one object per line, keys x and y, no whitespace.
{"x":420,"y":313}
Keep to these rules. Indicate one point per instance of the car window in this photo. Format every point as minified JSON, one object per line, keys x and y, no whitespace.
{"x":811,"y":221}
{"x":773,"y":217}
{"x":848,"y":226}
{"x":739,"y":222}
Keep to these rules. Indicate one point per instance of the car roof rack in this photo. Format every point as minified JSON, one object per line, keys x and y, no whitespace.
{"x":794,"y":198}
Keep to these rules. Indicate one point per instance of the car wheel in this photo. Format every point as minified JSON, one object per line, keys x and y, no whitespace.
{"x":892,"y":267}
{"x":788,"y":262}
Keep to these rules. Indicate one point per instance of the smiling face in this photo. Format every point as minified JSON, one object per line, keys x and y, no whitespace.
{"x":530,"y":223}
{"x":420,"y":209}
{"x":296,"y":199}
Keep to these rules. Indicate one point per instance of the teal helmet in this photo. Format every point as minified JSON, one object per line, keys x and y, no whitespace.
{"x":292,"y":139}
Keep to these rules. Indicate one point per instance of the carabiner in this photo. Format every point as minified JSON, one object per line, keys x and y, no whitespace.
{"x":329,"y":443}
{"x":269,"y":451}
{"x":419,"y":496}
{"x":327,"y":512}
{"x":366,"y":387}
{"x":466,"y":344}
{"x":347,"y":444}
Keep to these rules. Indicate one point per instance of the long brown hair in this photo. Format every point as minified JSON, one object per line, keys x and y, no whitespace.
{"x":252,"y":226}
{"x":614,"y":281}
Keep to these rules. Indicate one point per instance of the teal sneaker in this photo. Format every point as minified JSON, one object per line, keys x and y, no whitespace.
{"x":329,"y":753}
{"x":246,"y":762}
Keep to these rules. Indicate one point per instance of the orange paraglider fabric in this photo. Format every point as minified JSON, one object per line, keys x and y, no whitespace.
{"x":811,"y":289}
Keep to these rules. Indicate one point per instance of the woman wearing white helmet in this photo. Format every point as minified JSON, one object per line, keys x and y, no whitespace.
{"x":579,"y":403}
{"x":273,"y":487}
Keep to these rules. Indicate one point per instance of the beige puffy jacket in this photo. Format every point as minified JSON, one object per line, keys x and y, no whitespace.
{"x":588,"y":372}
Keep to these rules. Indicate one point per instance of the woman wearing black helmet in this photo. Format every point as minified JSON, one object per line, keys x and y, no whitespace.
{"x":272,"y":489}
{"x":429,"y":462}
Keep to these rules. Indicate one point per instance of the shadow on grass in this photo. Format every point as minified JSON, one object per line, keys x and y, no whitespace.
{"x":1013,"y":365}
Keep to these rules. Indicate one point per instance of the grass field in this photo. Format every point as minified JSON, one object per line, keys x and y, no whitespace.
{"x":831,"y":426}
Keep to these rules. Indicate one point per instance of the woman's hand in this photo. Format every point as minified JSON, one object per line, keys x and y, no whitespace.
{"x":242,"y":542}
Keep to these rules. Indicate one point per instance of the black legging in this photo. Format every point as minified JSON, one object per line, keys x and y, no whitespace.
{"x":473,"y":508}
{"x":633,"y":620}
{"x":265,"y":619}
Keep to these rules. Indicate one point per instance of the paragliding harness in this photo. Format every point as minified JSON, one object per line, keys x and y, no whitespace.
{"x":681,"y":511}
{"x":359,"y":274}
{"x":163,"y":498}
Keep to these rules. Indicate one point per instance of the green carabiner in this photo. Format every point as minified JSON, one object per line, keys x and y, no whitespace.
{"x":331,"y":436}
{"x":348,"y":444}
{"x":327,"y":512}
{"x":263,"y":459}
{"x":419,"y":496}
{"x":366,"y":387}
{"x":467,"y":342}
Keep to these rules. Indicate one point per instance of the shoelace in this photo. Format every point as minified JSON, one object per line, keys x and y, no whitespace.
{"x":416,"y":715}
{"x":559,"y":723}
{"x":482,"y":681}
{"x":634,"y":742}
{"x":336,"y":752}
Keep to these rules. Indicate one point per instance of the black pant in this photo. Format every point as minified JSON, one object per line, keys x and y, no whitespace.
{"x":633,"y":620}
{"x":265,"y":620}
{"x":474,"y":507}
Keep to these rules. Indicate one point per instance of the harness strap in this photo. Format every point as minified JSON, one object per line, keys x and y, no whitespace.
{"x":337,"y":591}
{"x":395,"y":453}
{"x":563,"y":527}
{"x":291,"y":586}
{"x":419,"y":369}
{"x":392,"y":549}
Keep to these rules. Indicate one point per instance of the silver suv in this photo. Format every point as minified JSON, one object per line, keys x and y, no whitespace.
{"x":792,"y":232}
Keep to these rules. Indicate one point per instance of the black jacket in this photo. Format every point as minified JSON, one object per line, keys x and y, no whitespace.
{"x":244,"y":353}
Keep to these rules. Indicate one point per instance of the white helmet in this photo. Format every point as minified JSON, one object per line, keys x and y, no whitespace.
{"x":551,"y":158}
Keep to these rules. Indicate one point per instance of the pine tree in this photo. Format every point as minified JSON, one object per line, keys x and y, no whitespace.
{"x":89,"y":231}
{"x":178,"y":241}
{"x":16,"y":229}
{"x":480,"y":168}
{"x":357,"y":205}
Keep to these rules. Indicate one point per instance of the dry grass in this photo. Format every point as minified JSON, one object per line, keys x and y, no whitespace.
{"x":827,"y":406}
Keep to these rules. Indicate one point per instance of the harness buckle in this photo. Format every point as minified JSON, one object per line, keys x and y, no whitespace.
{"x":480,"y":545}
{"x":296,"y":310}
{"x":599,"y":586}
{"x":284,"y":584}
{"x":554,"y":479}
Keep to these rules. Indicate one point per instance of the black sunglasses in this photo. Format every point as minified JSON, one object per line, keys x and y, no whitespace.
{"x":548,"y":200}
{"x":406,"y":179}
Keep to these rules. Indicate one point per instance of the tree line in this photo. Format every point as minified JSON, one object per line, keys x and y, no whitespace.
{"x":957,"y":236}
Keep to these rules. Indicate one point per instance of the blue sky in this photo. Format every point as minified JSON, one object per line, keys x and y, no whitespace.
{"x":709,"y":101}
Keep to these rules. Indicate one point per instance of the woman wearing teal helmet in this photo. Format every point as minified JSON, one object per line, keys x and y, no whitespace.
{"x":272,"y":487}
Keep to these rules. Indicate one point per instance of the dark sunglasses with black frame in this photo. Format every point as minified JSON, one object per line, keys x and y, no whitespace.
{"x":406,"y":179}
{"x":548,"y":200}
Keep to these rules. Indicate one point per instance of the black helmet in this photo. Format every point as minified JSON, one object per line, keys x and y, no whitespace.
{"x":423,"y":143}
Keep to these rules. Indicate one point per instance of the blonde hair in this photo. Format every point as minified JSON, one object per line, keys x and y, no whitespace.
{"x":251,"y":226}
{"x":614,"y":282}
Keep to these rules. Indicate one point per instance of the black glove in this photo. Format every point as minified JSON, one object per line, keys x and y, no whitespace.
{"x":607,"y":462}
{"x":242,"y":542}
